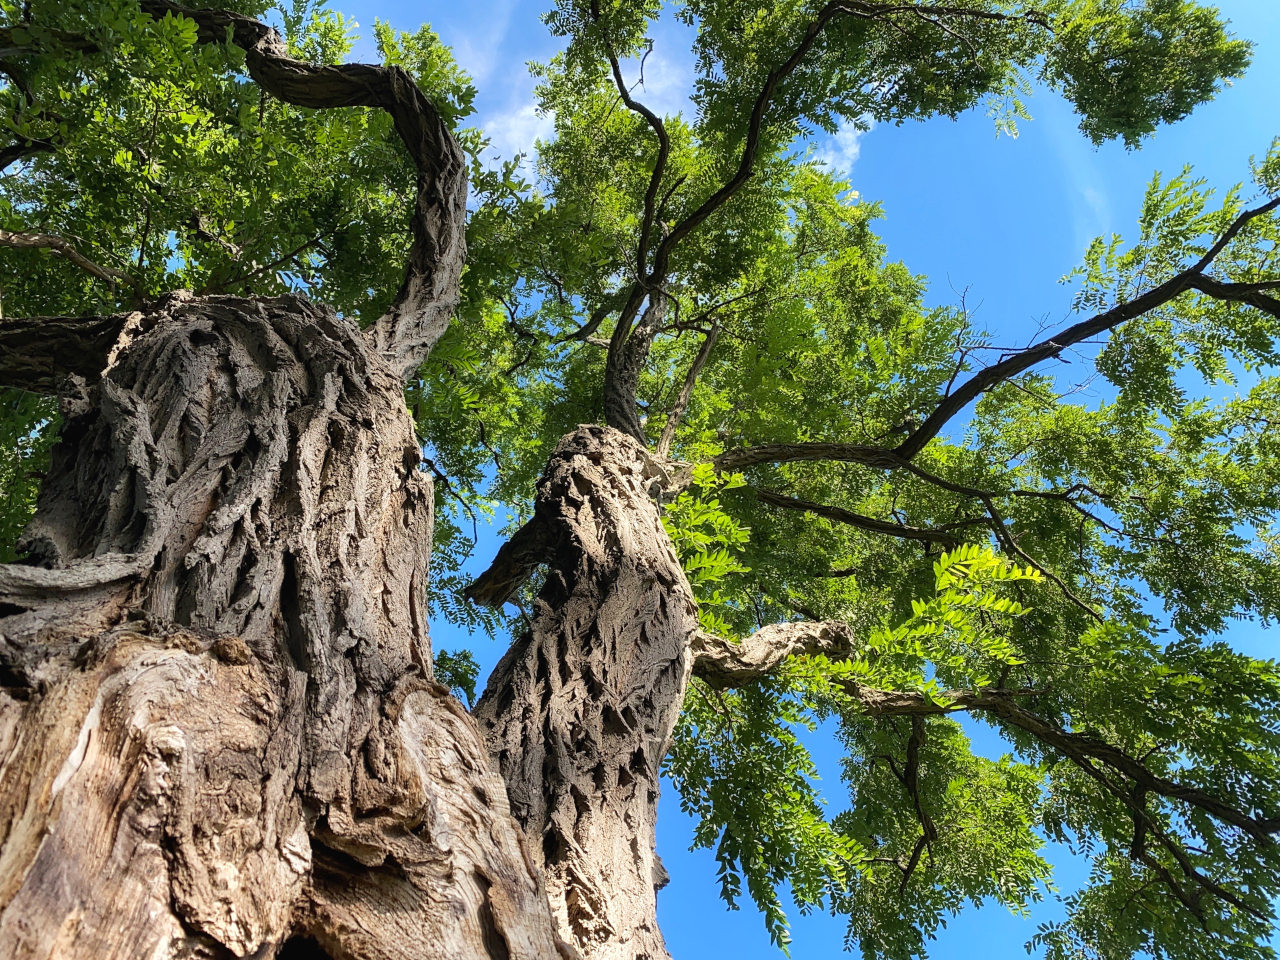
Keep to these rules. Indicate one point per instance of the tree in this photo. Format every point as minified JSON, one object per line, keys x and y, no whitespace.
{"x":222,"y":734}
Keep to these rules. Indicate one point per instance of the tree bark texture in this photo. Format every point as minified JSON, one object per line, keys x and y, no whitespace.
{"x":218,"y":723}
{"x":579,"y":713}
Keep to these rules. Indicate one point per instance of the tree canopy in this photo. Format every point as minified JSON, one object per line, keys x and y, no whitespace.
{"x":971,"y":536}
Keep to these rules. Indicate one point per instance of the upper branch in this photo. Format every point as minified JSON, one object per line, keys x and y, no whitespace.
{"x":741,"y":459}
{"x":659,"y":130}
{"x":774,"y":79}
{"x":424,"y":304}
{"x":984,"y":380}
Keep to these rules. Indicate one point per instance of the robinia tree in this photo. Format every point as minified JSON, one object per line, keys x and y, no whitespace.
{"x":262,"y":351}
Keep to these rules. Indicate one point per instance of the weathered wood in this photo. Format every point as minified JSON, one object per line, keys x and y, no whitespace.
{"x":579,"y":713}
{"x":219,"y":727}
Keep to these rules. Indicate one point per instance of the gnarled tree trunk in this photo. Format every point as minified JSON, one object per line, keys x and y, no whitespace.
{"x":218,"y":727}
{"x":579,"y":713}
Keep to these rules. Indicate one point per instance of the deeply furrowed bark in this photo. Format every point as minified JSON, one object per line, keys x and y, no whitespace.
{"x":580,"y":712}
{"x":218,"y":725}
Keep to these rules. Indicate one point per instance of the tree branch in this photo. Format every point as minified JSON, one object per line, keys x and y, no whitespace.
{"x":1024,"y":360}
{"x":61,"y":247}
{"x":686,"y":394}
{"x":24,"y":148}
{"x":942,"y":537}
{"x":424,"y":304}
{"x":514,"y":564}
{"x":734,"y":461}
{"x":721,"y":664}
{"x":659,"y":130}
{"x":39,"y":353}
{"x":1250,"y":293}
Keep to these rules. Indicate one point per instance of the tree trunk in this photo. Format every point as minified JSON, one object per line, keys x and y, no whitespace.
{"x":579,"y":713}
{"x":218,"y":724}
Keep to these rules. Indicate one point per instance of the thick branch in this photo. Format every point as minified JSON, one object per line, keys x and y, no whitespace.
{"x":732,"y":461}
{"x":514,"y":564}
{"x":722,"y":664}
{"x":39,"y":353}
{"x":686,"y":394}
{"x":425,"y":302}
{"x":24,"y":148}
{"x":623,"y":366}
{"x":1250,"y":293}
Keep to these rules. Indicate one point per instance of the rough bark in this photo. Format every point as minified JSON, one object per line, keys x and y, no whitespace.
{"x":628,"y":351}
{"x":579,"y":713}
{"x":218,"y":725}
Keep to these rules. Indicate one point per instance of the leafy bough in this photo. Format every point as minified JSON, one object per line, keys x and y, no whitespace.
{"x":1161,"y":757}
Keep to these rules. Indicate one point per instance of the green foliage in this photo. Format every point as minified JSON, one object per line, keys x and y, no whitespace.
{"x":1129,"y":66}
{"x":28,"y":426}
{"x":458,"y":671}
{"x":740,"y":766}
{"x":171,"y":166}
{"x":706,"y":539}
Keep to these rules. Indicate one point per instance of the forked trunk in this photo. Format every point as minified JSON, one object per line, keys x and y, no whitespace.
{"x":219,"y":728}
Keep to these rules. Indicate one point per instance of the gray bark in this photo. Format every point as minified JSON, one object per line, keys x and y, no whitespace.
{"x":218,"y":724}
{"x":580,"y":712}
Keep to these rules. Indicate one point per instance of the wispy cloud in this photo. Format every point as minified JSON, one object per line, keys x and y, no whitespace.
{"x":841,"y":151}
{"x":1091,"y":209}
{"x":477,"y":46}
{"x":668,"y":77}
{"x":516,"y":130}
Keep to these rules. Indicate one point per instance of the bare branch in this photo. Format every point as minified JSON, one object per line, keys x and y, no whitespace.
{"x":1250,"y":293}
{"x":1011,"y":366}
{"x":514,"y":564}
{"x":24,"y":148}
{"x":732,"y":461}
{"x":61,"y":247}
{"x":722,"y":664}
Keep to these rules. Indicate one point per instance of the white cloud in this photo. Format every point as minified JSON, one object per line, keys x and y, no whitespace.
{"x":515,"y":130}
{"x":668,"y":78}
{"x":841,"y":151}
{"x":1091,"y":209}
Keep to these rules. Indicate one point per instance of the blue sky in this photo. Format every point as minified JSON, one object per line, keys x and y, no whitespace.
{"x":1000,"y":218}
